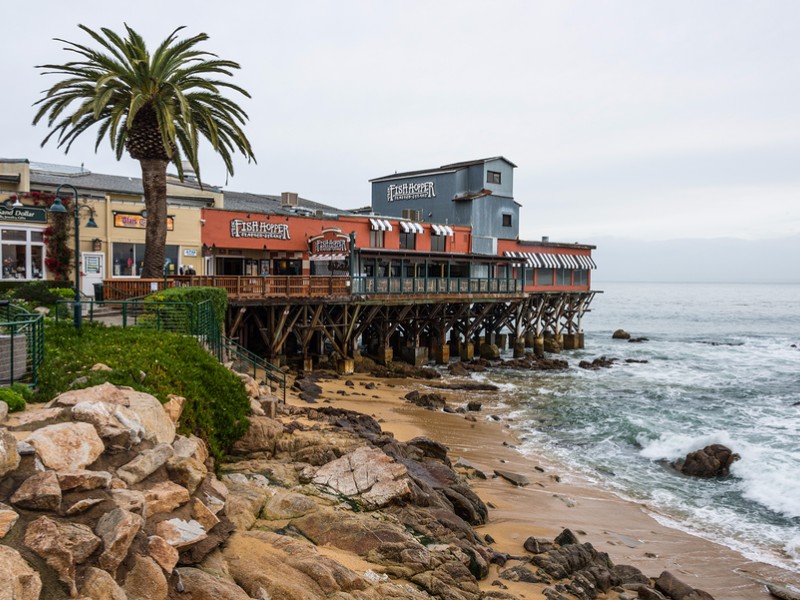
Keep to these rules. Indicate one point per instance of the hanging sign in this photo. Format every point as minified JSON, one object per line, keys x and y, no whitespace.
{"x":330,"y":241}
{"x":23,"y":214}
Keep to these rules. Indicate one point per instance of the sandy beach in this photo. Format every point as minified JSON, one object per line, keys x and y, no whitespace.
{"x":554,"y":499}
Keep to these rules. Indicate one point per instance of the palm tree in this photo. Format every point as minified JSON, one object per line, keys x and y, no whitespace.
{"x":156,"y":106}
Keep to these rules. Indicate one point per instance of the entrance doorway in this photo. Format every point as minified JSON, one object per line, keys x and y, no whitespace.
{"x":93,"y":270}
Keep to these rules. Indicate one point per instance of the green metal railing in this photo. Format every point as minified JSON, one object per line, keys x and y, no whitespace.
{"x":435,"y":285}
{"x":21,"y":344}
{"x":197,"y":320}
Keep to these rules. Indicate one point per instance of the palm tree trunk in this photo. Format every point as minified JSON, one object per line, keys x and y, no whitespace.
{"x":154,"y":181}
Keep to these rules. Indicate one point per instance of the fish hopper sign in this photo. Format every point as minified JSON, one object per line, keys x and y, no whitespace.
{"x":331,"y":244}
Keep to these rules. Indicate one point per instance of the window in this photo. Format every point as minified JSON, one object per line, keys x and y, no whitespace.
{"x":545,"y":277}
{"x":129,"y":259}
{"x":528,"y":276}
{"x":506,"y":220}
{"x":22,"y":254}
{"x":438,"y":243}
{"x":563,"y":277}
{"x":582,"y":277}
{"x":408,"y":241}
{"x":376,"y":239}
{"x":492,"y":177}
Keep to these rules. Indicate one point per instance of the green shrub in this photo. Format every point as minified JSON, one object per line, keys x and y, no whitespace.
{"x":36,"y":292}
{"x":14,"y":400}
{"x":175,"y":315}
{"x":23,"y":390}
{"x":216,"y":403}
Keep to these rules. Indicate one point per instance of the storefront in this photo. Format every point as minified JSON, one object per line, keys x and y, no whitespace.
{"x":22,"y":231}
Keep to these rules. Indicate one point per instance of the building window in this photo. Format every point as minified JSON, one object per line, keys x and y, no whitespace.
{"x":492,"y":177}
{"x":129,"y":259}
{"x":563,"y":277}
{"x":376,"y":239}
{"x":408,"y":241}
{"x":438,"y":243}
{"x":506,"y":220}
{"x":582,"y":277}
{"x":528,"y":276}
{"x":545,"y":277}
{"x":22,"y":253}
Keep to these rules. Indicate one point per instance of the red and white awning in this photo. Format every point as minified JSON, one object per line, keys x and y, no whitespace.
{"x":543,"y":260}
{"x":380,"y":225}
{"x":328,"y":257}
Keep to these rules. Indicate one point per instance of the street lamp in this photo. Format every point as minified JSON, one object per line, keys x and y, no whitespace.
{"x":58,"y":208}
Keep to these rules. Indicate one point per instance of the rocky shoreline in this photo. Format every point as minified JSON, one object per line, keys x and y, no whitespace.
{"x":101,"y":499}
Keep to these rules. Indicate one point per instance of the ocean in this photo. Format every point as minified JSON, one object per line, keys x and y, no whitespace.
{"x":723,"y":366}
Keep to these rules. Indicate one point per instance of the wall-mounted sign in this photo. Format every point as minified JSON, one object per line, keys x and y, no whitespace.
{"x":190,"y":251}
{"x":330,"y":241}
{"x":137,"y":221}
{"x":23,"y":214}
{"x":410,"y":191}
{"x":259,"y":229}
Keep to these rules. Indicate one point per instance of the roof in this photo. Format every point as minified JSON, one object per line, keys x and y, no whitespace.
{"x":451,"y":168}
{"x":266,"y":203}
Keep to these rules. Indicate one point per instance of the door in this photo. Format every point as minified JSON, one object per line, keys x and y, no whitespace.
{"x":93,"y":270}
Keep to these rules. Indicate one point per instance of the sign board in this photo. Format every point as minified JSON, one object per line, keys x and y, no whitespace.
{"x":410,"y":191}
{"x":190,"y":252}
{"x":137,"y":221}
{"x":330,"y":241}
{"x":23,"y":214}
{"x":259,"y":229}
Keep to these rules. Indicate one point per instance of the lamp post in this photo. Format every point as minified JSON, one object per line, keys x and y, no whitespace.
{"x":59,"y":208}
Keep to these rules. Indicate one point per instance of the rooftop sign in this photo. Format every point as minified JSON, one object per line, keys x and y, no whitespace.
{"x":410,"y":191}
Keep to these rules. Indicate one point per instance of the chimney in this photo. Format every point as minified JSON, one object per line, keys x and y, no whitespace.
{"x":289,"y":199}
{"x":545,"y":239}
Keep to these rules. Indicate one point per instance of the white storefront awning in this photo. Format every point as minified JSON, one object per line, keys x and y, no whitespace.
{"x":411,"y":227}
{"x":328,"y":257}
{"x":442,"y":229}
{"x":380,"y":225}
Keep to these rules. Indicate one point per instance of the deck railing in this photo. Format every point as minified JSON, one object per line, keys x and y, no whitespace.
{"x":21,"y":344}
{"x":314,"y":286}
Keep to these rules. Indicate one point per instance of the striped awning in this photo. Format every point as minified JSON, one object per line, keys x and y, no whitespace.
{"x":442,"y":229}
{"x":328,"y":257}
{"x":380,"y":225}
{"x":543,"y":260}
{"x":411,"y":227}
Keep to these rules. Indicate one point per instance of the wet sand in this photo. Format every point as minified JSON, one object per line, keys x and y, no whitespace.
{"x":626,"y":530}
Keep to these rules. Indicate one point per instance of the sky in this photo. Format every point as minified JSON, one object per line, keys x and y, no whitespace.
{"x":628,"y":120}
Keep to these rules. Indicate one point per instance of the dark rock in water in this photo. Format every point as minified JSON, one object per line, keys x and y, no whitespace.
{"x":515,"y":478}
{"x":636,"y":361}
{"x":783,"y":592}
{"x":638,"y":340}
{"x":551,"y":345}
{"x":550,"y":364}
{"x":490,"y":352}
{"x":457,"y":369}
{"x":620,"y":334}
{"x":432,"y":401}
{"x":472,"y":386}
{"x":712,"y":461}
{"x":566,"y":537}
{"x":602,"y":362}
{"x":474,"y":405}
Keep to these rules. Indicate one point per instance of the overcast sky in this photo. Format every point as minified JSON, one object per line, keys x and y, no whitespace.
{"x":631,"y":119}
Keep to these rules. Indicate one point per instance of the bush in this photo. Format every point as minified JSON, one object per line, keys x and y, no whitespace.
{"x":36,"y":292}
{"x":23,"y":390}
{"x":216,"y":403}
{"x":176,"y":317}
{"x":13,"y":398}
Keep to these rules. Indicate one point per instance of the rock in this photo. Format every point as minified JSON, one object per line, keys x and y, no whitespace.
{"x":162,"y":552}
{"x":157,"y":423}
{"x":130,"y":500}
{"x":18,"y":581}
{"x":783,"y":592}
{"x":601,"y":362}
{"x":83,"y":480}
{"x":82,"y":506}
{"x":117,"y":530}
{"x":630,"y":574}
{"x":474,"y":405}
{"x":287,"y":505}
{"x":105,"y":392}
{"x":188,"y":472}
{"x":203,"y":515}
{"x":8,"y":518}
{"x":3,"y":411}
{"x":620,"y":334}
{"x":522,"y":573}
{"x":145,"y":464}
{"x":111,"y":420}
{"x":164,"y":497}
{"x":174,"y":407}
{"x":566,"y":537}
{"x":712,"y":461}
{"x":672,"y":587}
{"x":260,"y":437}
{"x":30,"y":420}
{"x":490,"y":352}
{"x":179,"y":533}
{"x":552,"y":345}
{"x":457,"y":370}
{"x":62,"y":546}
{"x":366,"y":474}
{"x":99,"y":585}
{"x":101,"y":367}
{"x":39,"y":492}
{"x":199,"y":585}
{"x":190,"y":447}
{"x":432,"y":401}
{"x":9,"y":455}
{"x":515,"y":478}
{"x":145,"y":581}
{"x":66,"y":446}
{"x":536,"y":545}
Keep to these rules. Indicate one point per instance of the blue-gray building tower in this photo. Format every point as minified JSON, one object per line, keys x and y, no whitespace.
{"x":479,"y":193}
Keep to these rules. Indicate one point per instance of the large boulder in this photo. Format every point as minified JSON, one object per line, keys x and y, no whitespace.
{"x":18,"y":581}
{"x":9,"y":456}
{"x":145,"y":581}
{"x":40,"y":491}
{"x":366,"y":475}
{"x":620,"y":334}
{"x":145,"y":464}
{"x":712,"y":461}
{"x":99,"y":585}
{"x":200,"y":585}
{"x":260,"y":437}
{"x":66,"y":446}
{"x":117,"y":530}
